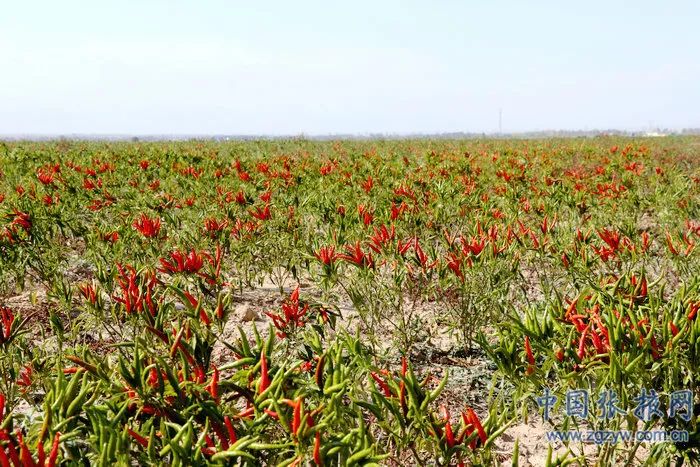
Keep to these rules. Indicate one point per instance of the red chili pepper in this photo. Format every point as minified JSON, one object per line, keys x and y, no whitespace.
{"x":229,"y":427}
{"x":530,"y":357}
{"x":88,"y":292}
{"x":263,"y":214}
{"x":449,"y":434}
{"x":355,"y":255}
{"x":190,"y":298}
{"x":142,"y":440}
{"x":674,"y":329}
{"x":402,"y":386}
{"x":198,"y":376}
{"x":455,"y":264}
{"x":214,"y":386}
{"x":153,"y":377}
{"x":560,"y":355}
{"x":381,"y":383}
{"x":582,"y":344}
{"x":655,"y":348}
{"x":25,"y":455}
{"x":203,"y":317}
{"x":246,"y":413}
{"x":474,"y":420}
{"x":645,"y":241}
{"x":572,"y":307}
{"x":151,"y":410}
{"x":220,"y":310}
{"x":402,"y":247}
{"x":317,"y":449}
{"x":604,"y":333}
{"x":368,"y":184}
{"x":219,"y":431}
{"x":7,"y":319}
{"x":597,"y":343}
{"x":296,"y":421}
{"x":147,"y":226}
{"x":565,"y":260}
{"x":12,"y":450}
{"x":669,"y":242}
{"x":41,"y":453}
{"x":643,"y":292}
{"x":528,"y":351}
{"x":326,"y":255}
{"x":264,"y":377}
{"x":4,"y":460}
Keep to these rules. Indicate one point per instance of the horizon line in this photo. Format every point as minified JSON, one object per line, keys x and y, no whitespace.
{"x":690,"y":131}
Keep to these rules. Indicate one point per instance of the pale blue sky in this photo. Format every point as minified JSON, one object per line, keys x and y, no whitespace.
{"x":202,"y":67}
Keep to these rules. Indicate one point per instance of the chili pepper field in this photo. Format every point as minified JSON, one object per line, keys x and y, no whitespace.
{"x":379,"y":302}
